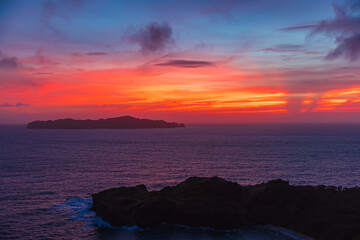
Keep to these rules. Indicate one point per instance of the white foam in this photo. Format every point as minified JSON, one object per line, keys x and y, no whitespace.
{"x":79,"y":209}
{"x":99,"y":222}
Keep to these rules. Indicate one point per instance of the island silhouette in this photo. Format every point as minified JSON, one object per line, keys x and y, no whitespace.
{"x":124,"y":122}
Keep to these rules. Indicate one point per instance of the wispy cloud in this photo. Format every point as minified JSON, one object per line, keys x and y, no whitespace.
{"x":8,"y":105}
{"x":40,"y":59}
{"x":9,"y":63}
{"x":96,"y":53}
{"x":55,"y":8}
{"x":42,"y":73}
{"x":77,"y":54}
{"x":289,"y":48}
{"x":299,"y":27}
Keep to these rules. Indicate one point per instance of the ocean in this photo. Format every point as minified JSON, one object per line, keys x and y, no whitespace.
{"x":48,"y":176}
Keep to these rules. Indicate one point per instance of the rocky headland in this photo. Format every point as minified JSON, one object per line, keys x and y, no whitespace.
{"x":125,"y":122}
{"x":322,"y":212}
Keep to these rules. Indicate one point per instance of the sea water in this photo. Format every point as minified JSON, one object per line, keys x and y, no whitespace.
{"x":48,"y":176}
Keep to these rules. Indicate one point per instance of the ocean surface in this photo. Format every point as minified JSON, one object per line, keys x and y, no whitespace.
{"x":48,"y":176}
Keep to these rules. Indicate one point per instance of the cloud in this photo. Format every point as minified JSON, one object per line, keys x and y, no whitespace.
{"x":226,"y":9}
{"x":154,"y":37}
{"x":348,"y":47}
{"x":320,"y":85}
{"x":346,"y":27}
{"x":355,"y":5}
{"x":289,"y":48}
{"x":223,"y":8}
{"x":40,"y":59}
{"x":76,"y":54}
{"x":299,"y":27}
{"x":49,"y":11}
{"x":186,"y":63}
{"x":346,"y":21}
{"x":9,"y":63}
{"x":14,"y":82}
{"x":42,"y":73}
{"x":96,"y":54}
{"x":14,"y":105}
{"x":57,"y":9}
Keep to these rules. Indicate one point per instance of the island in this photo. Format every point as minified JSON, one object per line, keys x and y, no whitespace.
{"x":321,"y":212}
{"x":124,"y":122}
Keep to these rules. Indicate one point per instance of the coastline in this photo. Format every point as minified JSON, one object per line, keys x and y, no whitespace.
{"x":212,"y":202}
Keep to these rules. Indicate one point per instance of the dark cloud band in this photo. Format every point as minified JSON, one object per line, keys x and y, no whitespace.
{"x":186,"y":63}
{"x":14,"y":105}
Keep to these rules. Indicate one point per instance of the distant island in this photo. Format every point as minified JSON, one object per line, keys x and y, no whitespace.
{"x":322,"y":212}
{"x":124,"y":122}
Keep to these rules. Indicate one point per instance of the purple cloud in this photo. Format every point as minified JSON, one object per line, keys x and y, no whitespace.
{"x":77,"y":54}
{"x":60,"y":9}
{"x":9,"y":63}
{"x":349,"y":47}
{"x":154,"y":37}
{"x":186,"y":63}
{"x":96,"y":54}
{"x":346,"y":27}
{"x":14,"y":105}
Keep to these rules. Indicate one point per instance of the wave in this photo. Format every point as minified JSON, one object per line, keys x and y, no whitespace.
{"x":79,"y":209}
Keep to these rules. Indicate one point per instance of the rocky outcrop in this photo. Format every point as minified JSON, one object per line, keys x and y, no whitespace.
{"x":318,"y":211}
{"x":109,"y":123}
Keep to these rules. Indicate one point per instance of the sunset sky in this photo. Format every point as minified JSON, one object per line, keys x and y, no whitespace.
{"x":178,"y":60}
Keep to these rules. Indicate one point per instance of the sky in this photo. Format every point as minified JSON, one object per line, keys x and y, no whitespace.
{"x":203,"y":61}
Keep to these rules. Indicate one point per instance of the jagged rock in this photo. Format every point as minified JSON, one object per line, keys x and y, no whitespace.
{"x":318,"y":211}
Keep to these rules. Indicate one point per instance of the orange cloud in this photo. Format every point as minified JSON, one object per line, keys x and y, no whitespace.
{"x":174,"y":86}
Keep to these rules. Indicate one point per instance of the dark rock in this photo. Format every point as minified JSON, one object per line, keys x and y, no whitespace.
{"x":110,"y":123}
{"x":318,"y":211}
